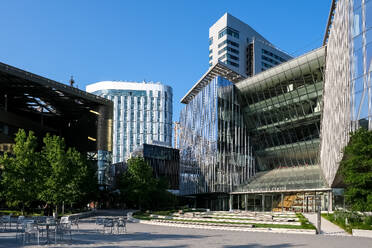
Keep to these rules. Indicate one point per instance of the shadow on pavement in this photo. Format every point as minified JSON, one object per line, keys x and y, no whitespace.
{"x":261,"y":246}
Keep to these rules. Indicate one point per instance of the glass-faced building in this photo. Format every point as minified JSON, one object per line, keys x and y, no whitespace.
{"x":164,"y":161}
{"x":296,"y":116}
{"x":142,"y":114}
{"x":215,"y":150}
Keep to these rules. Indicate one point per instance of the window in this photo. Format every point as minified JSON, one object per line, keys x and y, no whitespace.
{"x":210,"y":40}
{"x":228,"y":49}
{"x":269,"y":60}
{"x":210,"y":64}
{"x":273,"y":55}
{"x":210,"y":51}
{"x":232,"y":63}
{"x":222,"y":57}
{"x":232,"y":57}
{"x":230,"y":31}
{"x":228,"y":42}
{"x":210,"y":58}
{"x":266,"y":65}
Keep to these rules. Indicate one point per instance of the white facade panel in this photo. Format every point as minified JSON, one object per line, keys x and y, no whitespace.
{"x":139,"y":114}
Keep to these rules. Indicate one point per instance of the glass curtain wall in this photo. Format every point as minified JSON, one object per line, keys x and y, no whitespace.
{"x":283,"y":119}
{"x":215,"y":150}
{"x":361,"y":64}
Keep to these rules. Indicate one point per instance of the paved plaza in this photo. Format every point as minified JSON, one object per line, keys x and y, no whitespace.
{"x":143,"y":235}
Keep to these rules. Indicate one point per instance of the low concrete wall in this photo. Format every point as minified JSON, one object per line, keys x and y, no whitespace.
{"x":362,"y":233}
{"x":82,"y":215}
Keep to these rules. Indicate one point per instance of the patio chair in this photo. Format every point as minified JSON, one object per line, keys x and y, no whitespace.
{"x":121,"y":225}
{"x":7,"y":221}
{"x":99,"y":223}
{"x":20,"y":221}
{"x":52,"y":227}
{"x":31,"y":229}
{"x":64,"y":227}
{"x":108,"y":224}
{"x":21,"y":226}
{"x":75,"y":222}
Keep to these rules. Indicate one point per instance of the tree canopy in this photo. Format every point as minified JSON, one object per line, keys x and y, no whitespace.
{"x":356,"y":169}
{"x":141,"y":190}
{"x":21,"y":175}
{"x":53,"y":175}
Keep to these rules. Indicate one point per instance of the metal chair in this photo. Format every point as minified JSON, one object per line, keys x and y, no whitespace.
{"x":7,"y":220}
{"x":99,"y":223}
{"x":121,"y":225}
{"x":64,"y":227}
{"x":31,"y":228}
{"x":52,"y":226}
{"x":75,"y":222}
{"x":108,"y":223}
{"x":20,"y":221}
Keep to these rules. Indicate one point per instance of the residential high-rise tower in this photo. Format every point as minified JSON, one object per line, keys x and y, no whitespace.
{"x":241,"y":48}
{"x":142,"y":114}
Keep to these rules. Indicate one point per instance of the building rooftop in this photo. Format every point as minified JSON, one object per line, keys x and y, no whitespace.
{"x":218,"y":69}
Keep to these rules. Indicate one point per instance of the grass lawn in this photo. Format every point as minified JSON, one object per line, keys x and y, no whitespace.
{"x":339,"y":220}
{"x":304,"y":223}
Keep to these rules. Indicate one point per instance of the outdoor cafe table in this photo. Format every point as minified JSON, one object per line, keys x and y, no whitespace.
{"x":47,"y":225}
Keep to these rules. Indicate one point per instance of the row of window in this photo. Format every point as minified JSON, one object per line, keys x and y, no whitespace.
{"x":228,"y":42}
{"x":265,"y":65}
{"x":228,"y":56}
{"x":273,"y":55}
{"x":232,"y":63}
{"x":270,"y":60}
{"x":229,"y":31}
{"x":228,"y":49}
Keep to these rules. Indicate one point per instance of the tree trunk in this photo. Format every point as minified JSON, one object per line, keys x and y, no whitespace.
{"x":63,"y":208}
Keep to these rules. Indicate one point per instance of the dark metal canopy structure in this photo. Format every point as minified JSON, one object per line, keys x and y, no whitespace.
{"x":218,"y":69}
{"x":36,"y":103}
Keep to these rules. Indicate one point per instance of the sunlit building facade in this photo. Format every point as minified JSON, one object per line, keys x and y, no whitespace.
{"x":142,"y":114}
{"x":297,"y":118}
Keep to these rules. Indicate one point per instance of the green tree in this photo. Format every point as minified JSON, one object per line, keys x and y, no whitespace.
{"x":138,"y":187}
{"x":21,"y":176}
{"x":64,"y":170}
{"x":356,"y":169}
{"x":137,"y":182}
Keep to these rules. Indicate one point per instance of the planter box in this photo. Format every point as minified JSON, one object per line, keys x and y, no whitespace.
{"x":362,"y":233}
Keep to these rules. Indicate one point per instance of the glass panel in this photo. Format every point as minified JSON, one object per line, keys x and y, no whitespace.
{"x":358,"y":42}
{"x":358,"y":84}
{"x":357,"y":22}
{"x":357,"y":65}
{"x":368,"y":9}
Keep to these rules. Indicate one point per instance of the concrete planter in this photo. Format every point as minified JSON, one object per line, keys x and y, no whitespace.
{"x":362,"y":233}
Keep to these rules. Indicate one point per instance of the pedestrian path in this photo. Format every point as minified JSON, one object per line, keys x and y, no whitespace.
{"x":327,"y":227}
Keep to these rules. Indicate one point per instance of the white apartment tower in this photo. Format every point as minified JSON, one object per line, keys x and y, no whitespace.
{"x":142,"y":114}
{"x":241,"y":48}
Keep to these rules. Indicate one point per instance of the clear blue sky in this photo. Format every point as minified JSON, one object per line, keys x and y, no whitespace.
{"x":155,"y":40}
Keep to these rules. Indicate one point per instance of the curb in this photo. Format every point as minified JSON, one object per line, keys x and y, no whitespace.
{"x":269,"y":230}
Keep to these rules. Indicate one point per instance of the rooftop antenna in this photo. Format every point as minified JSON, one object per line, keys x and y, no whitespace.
{"x":72,"y":81}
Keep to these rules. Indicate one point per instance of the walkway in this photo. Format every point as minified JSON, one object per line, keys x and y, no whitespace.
{"x":141,"y":235}
{"x":327,"y":227}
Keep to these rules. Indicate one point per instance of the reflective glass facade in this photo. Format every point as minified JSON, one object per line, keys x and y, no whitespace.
{"x":282,"y":113}
{"x":347,"y":91}
{"x":297,"y":118}
{"x":361,"y":63}
{"x":142,"y":114}
{"x":215,"y":149}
